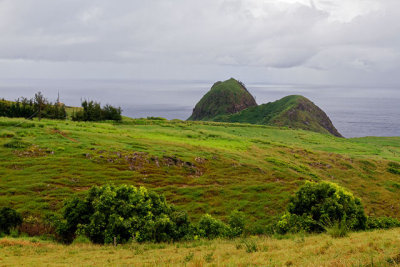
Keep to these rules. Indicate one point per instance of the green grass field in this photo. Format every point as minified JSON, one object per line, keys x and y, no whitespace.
{"x":202,"y":167}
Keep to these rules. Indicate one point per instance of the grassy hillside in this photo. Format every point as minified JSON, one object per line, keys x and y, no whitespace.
{"x":226,"y":97}
{"x":293,"y":111}
{"x":199,"y":166}
{"x":378,"y":248}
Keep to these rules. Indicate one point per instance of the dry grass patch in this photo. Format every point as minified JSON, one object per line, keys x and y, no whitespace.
{"x":377,"y":248}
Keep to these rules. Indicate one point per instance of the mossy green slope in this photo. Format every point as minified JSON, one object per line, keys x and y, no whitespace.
{"x":293,"y":111}
{"x":226,"y":97}
{"x":200,"y":166}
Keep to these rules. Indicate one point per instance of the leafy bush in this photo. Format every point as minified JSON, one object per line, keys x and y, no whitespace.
{"x":123,"y":212}
{"x":38,"y":106}
{"x":382,"y":223}
{"x":293,"y":223}
{"x":9,"y":219}
{"x":211,"y":227}
{"x":236,"y":223}
{"x":92,"y":111}
{"x":317,"y":205}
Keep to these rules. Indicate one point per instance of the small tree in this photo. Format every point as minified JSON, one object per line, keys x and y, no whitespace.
{"x":40,"y":103}
{"x":9,"y":219}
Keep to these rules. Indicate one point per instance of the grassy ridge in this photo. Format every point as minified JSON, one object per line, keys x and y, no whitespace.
{"x":293,"y":111}
{"x":199,"y":166}
{"x":378,"y":248}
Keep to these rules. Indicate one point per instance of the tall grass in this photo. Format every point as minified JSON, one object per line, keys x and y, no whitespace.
{"x":375,"y":248}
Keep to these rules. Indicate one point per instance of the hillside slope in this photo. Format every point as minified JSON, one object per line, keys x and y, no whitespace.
{"x":293,"y":111}
{"x":226,"y":97}
{"x":199,"y":166}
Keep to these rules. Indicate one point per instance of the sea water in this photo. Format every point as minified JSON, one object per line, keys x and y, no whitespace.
{"x":354,"y":111}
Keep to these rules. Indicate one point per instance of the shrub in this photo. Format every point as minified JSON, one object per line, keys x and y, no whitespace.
{"x":382,"y":223}
{"x":236,"y":223}
{"x":9,"y":219}
{"x":293,"y":223}
{"x":123,"y":212}
{"x":316,"y":205}
{"x":92,"y":111}
{"x":38,"y":106}
{"x":211,"y":227}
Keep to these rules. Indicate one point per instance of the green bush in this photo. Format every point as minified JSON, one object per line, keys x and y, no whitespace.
{"x":382,"y":223}
{"x":293,"y":223}
{"x":210,"y":227}
{"x":38,"y":106}
{"x":92,"y":111}
{"x":9,"y":219}
{"x":124,"y":212}
{"x":317,"y":205}
{"x":236,"y":223}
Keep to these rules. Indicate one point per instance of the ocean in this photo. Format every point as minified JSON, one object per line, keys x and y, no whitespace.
{"x":355,"y":112}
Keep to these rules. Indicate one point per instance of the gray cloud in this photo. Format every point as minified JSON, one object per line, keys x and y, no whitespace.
{"x":304,"y":41}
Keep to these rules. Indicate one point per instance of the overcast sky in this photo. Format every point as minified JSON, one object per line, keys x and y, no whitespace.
{"x":347,"y":42}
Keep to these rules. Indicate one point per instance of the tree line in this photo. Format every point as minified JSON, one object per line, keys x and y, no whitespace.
{"x":40,"y":107}
{"x":92,"y":111}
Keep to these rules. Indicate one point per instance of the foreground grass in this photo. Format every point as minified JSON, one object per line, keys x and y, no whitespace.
{"x":377,"y":248}
{"x":201,"y":167}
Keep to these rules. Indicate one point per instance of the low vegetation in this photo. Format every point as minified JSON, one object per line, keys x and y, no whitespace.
{"x":37,"y":107}
{"x":316,"y":206}
{"x":92,"y":111}
{"x":118,"y":214}
{"x":111,"y":214}
{"x":373,"y":248}
{"x":9,"y":219}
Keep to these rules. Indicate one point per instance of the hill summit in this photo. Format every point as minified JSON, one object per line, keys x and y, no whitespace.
{"x":224,"y":98}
